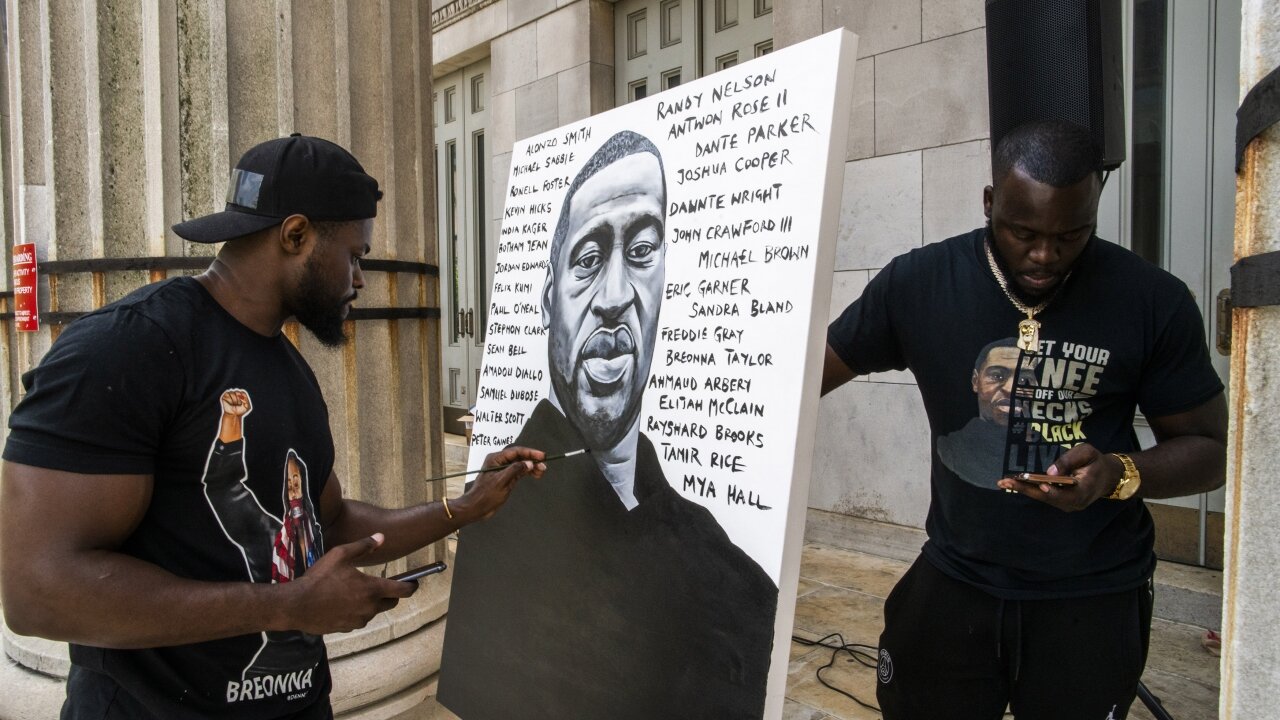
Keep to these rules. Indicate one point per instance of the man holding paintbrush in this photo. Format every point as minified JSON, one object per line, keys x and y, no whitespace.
{"x":169,"y":505}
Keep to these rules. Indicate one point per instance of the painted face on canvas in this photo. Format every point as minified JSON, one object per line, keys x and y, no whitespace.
{"x":602,"y":297}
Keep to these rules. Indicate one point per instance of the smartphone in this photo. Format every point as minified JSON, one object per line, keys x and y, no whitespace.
{"x":1037,"y":478}
{"x":415,"y":574}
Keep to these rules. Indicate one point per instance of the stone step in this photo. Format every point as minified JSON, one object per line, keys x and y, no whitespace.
{"x":1184,"y":593}
{"x":455,"y":452}
{"x":1189,"y":594}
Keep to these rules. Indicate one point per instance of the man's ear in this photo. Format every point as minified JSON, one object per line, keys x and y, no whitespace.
{"x":295,"y":233}
{"x":988,"y":196}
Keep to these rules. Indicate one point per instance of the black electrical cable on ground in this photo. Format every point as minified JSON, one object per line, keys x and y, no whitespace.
{"x":865,"y":655}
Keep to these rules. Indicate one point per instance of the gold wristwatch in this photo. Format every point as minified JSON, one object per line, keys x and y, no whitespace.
{"x":1129,"y":482}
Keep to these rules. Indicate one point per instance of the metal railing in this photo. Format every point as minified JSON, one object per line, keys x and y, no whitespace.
{"x":160,"y":267}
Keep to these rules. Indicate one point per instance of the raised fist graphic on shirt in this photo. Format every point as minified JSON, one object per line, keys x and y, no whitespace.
{"x":235,"y":406}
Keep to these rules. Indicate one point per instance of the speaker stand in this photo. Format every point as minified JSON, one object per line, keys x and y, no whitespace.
{"x":1153,"y":703}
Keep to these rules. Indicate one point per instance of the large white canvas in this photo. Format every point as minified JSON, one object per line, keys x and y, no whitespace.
{"x":753,"y":161}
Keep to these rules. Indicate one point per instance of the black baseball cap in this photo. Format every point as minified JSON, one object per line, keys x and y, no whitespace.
{"x":287,"y":176}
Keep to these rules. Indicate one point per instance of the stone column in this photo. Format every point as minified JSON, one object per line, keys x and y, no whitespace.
{"x":1251,"y":607}
{"x":125,"y":116}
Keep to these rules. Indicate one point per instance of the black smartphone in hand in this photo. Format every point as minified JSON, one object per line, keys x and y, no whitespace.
{"x":416,"y":573}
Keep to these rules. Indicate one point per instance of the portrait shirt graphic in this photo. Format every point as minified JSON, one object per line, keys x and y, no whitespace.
{"x":1031,"y":408}
{"x":275,"y":548}
{"x":295,"y":545}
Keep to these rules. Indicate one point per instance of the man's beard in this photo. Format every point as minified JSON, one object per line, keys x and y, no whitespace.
{"x":314,"y":308}
{"x":1010,"y":279}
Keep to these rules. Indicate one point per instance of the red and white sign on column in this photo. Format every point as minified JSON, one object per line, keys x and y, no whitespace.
{"x":26,"y":311}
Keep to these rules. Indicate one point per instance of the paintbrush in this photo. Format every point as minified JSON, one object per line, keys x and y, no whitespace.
{"x":546,"y":459}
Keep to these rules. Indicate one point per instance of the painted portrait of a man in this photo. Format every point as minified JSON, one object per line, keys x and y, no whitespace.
{"x":610,"y":593}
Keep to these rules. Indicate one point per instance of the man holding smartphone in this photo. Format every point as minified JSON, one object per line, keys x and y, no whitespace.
{"x":1035,"y":595}
{"x":169,"y":504}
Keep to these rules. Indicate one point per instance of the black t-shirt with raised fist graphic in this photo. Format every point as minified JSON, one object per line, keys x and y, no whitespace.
{"x":233,"y":429}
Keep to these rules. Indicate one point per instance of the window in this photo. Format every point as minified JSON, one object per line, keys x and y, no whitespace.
{"x":726,"y":14}
{"x":435,"y":109}
{"x":671,"y":27}
{"x":1146,"y":164}
{"x":451,"y":238}
{"x":637,"y":34}
{"x":477,"y":94}
{"x":662,"y":44}
{"x":450,"y":101}
{"x":480,"y":219}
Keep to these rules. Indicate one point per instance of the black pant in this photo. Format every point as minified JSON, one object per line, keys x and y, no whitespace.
{"x":950,"y":651}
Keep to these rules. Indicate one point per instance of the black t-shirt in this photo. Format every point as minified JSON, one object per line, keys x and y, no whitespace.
{"x":140,"y":387}
{"x":1121,"y":334}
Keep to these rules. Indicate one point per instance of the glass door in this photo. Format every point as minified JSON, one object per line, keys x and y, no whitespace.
{"x":1173,"y":201}
{"x":461,"y":102}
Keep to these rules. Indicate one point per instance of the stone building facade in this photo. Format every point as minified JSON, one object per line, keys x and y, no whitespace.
{"x":918,"y":157}
{"x":123,"y":116}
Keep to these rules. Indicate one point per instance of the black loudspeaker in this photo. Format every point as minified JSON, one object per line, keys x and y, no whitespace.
{"x":1058,"y":60}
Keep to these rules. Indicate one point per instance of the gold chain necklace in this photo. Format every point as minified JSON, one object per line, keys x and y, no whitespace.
{"x":1028,"y":329}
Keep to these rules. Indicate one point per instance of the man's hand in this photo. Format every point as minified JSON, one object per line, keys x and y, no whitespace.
{"x":491,"y":488}
{"x":408,"y":529}
{"x":1096,"y":477}
{"x":1189,"y":457}
{"x":333,"y":596}
{"x":76,"y":524}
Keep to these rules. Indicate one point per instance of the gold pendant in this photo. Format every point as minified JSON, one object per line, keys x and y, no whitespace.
{"x":1029,"y":335}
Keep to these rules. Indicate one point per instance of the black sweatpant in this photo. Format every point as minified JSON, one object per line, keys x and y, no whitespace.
{"x":950,"y":651}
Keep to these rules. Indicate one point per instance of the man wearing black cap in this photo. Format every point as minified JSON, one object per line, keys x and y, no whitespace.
{"x":169,"y":505}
